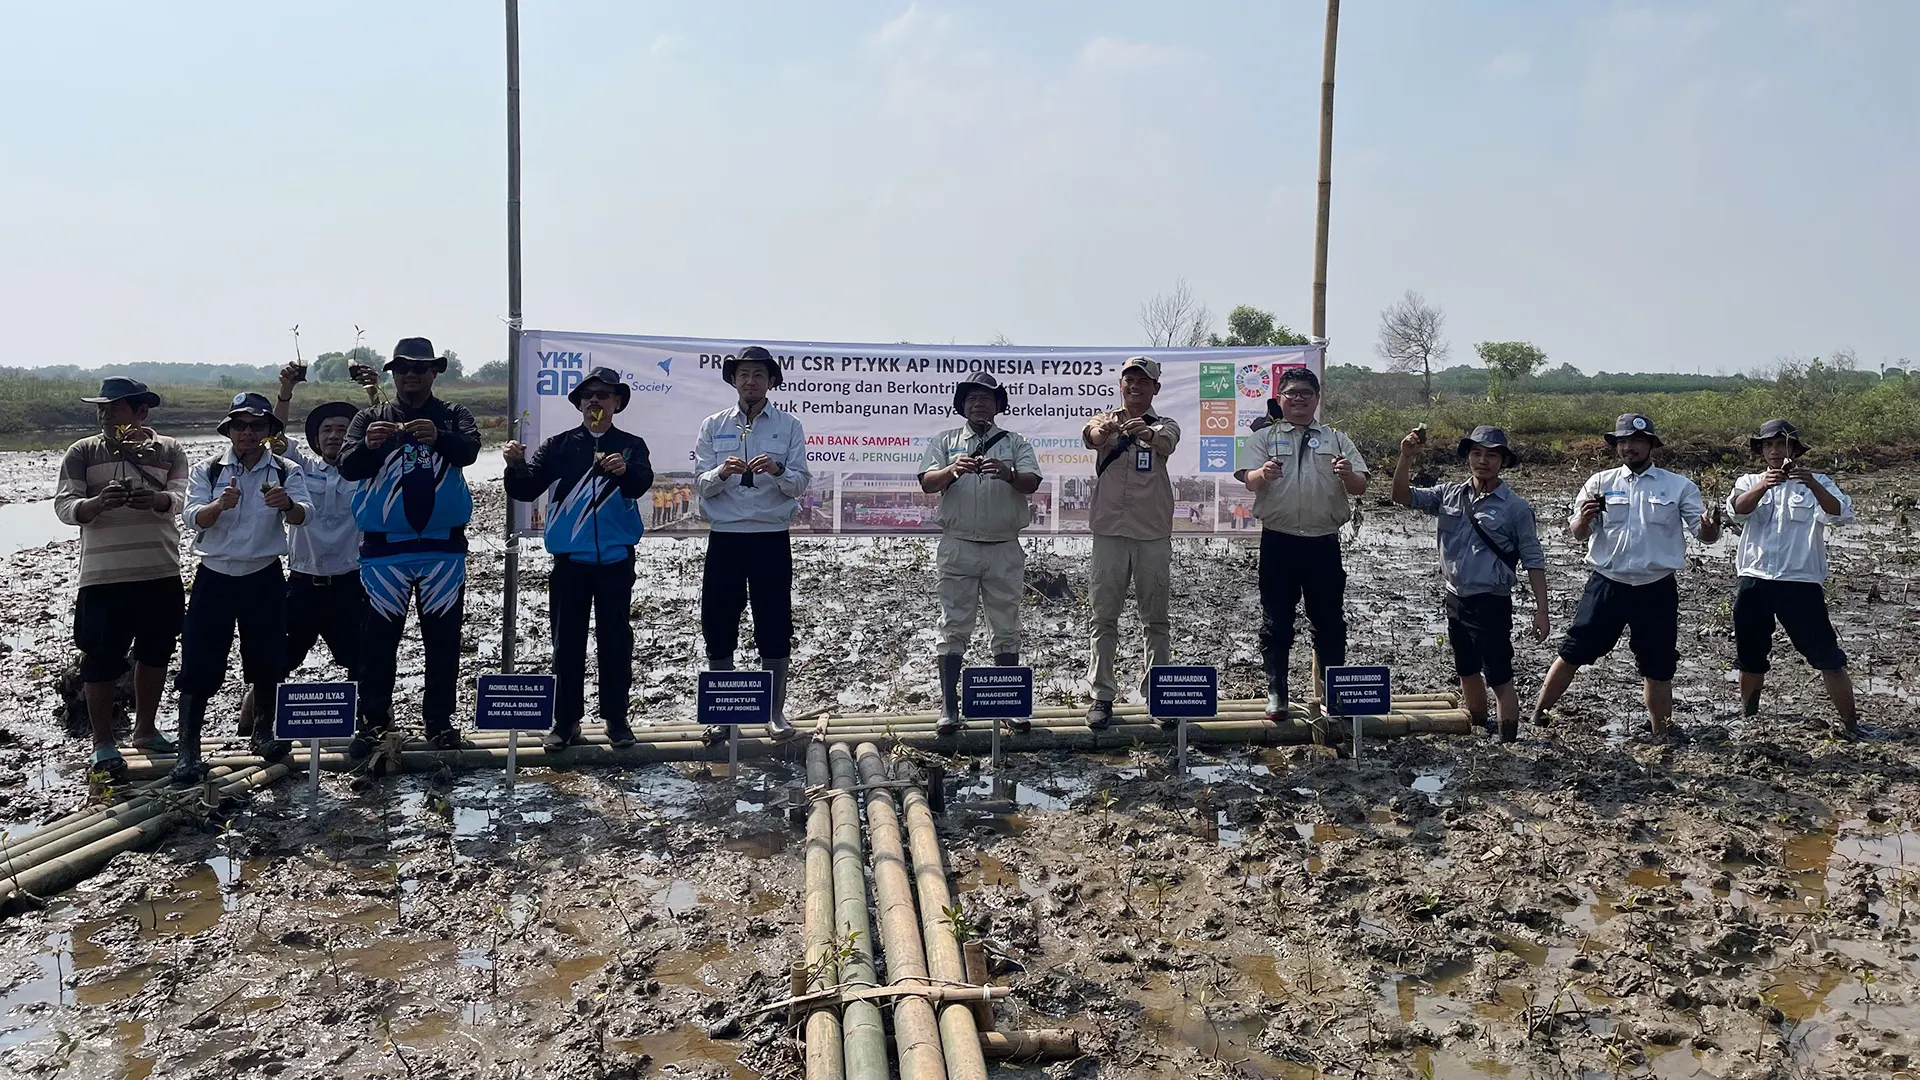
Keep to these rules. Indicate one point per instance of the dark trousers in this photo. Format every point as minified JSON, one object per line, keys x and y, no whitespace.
{"x":743,"y":567}
{"x":257,"y":604}
{"x":1480,"y":629}
{"x":1608,"y":608}
{"x":436,"y":583}
{"x":1292,"y":569}
{"x":1801,"y":609}
{"x":574,"y":590}
{"x":333,"y":609}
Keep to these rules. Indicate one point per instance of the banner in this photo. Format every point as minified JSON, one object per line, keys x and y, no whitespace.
{"x":869,"y":409}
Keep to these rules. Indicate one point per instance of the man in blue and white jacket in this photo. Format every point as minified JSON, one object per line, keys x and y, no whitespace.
{"x":591,"y":475}
{"x":751,"y":465}
{"x":413,"y":511}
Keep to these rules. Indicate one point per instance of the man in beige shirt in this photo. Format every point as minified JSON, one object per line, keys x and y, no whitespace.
{"x":983,"y":474}
{"x":1303,"y":475}
{"x":1132,"y":521}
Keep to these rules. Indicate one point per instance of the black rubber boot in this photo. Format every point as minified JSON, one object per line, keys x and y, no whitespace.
{"x":779,"y":728}
{"x":260,"y":737}
{"x":561,"y":737}
{"x":1022,"y":724}
{"x":367,"y":735}
{"x":950,"y":665}
{"x":188,"y":768}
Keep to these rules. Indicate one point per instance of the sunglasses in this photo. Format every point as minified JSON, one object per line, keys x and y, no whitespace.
{"x":412,"y":367}
{"x":599,"y":395}
{"x":256,"y":426}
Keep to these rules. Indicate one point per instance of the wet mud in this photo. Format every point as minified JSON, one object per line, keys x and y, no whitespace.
{"x":1584,"y":904}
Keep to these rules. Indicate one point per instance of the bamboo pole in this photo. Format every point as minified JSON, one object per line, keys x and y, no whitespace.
{"x":67,"y":868}
{"x":958,"y":1032}
{"x":1039,"y":1044}
{"x":78,"y":820}
{"x":862,"y":1034}
{"x":133,"y":813}
{"x":1323,"y":211}
{"x":823,"y":1047}
{"x":916,"y":1030}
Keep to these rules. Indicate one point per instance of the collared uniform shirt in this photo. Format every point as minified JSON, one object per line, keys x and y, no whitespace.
{"x":249,"y":537}
{"x":1128,"y":500}
{"x":1307,"y":499}
{"x":976,"y":507}
{"x":769,"y":505}
{"x":1785,"y":538}
{"x":1468,"y":567}
{"x":1641,"y":536}
{"x":328,"y":543}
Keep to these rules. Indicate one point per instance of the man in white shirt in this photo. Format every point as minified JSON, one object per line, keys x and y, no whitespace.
{"x":239,"y":504}
{"x":1783,"y":567}
{"x":1635,"y":520}
{"x":751,"y":464}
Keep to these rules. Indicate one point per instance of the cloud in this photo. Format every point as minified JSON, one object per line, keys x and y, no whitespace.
{"x":1511,"y":64}
{"x":668,"y":45}
{"x":1107,"y":54}
{"x":911,"y":25}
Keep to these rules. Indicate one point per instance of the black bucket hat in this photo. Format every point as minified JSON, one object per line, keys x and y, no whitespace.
{"x":121,"y":388}
{"x":1631,"y":424}
{"x":756,"y":354}
{"x":605,"y":376}
{"x":324,"y":412}
{"x":979,"y":380}
{"x":252,"y":405}
{"x":1773,"y":429}
{"x":1493,"y":438}
{"x":416,"y":348}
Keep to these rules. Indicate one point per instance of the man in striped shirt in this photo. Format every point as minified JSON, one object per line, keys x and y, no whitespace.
{"x":125,"y":488}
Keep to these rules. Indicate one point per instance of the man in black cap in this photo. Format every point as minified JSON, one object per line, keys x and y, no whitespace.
{"x":1486,"y":531}
{"x":751,"y":465}
{"x":239,"y":504}
{"x":592,"y":476}
{"x":983,"y":474}
{"x":1783,"y":567}
{"x":413,"y":507}
{"x":1635,"y":520}
{"x":124,"y":489}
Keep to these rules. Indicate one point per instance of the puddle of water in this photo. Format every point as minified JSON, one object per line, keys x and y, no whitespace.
{"x":687,"y":1045}
{"x":565,"y":974}
{"x":1219,"y":1028}
{"x":683,"y":967}
{"x":1322,"y":833}
{"x":1263,"y":971}
{"x":25,"y":1011}
{"x":1432,"y":782}
{"x":679,"y":897}
{"x":761,"y":844}
{"x":26,"y":525}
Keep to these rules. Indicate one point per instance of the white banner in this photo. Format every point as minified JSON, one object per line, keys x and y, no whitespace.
{"x":869,"y":409}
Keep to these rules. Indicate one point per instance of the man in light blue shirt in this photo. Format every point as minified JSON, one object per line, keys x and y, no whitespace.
{"x":1783,"y":567}
{"x":751,"y":465}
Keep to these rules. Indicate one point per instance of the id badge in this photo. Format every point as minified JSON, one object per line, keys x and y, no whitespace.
{"x":1143,"y":461}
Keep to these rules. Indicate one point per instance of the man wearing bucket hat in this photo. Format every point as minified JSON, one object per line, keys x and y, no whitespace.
{"x":124,"y":488}
{"x":239,"y":504}
{"x":412,"y":507}
{"x":1131,"y":516}
{"x":1635,"y":520}
{"x":751,"y":465}
{"x":1304,"y":476}
{"x":1485,"y":531}
{"x":593,"y":476}
{"x":983,"y":474}
{"x":1783,"y":567}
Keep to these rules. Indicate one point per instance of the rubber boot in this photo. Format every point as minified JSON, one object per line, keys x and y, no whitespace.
{"x":368,"y":734}
{"x":260,"y":735}
{"x":1022,"y":724}
{"x":188,"y":768}
{"x":779,"y":729}
{"x":950,"y":665}
{"x":716,"y":735}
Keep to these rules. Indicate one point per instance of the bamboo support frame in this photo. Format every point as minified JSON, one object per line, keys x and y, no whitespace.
{"x":916,"y":1030}
{"x":824,"y":1059}
{"x":863,"y":1034}
{"x":958,"y":1031}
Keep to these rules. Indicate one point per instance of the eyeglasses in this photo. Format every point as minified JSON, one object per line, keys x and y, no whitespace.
{"x":599,"y":395}
{"x":1299,"y":395}
{"x":412,"y":367}
{"x":257,"y":426}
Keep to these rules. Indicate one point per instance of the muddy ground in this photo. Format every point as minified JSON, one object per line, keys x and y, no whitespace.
{"x":1583,"y":904}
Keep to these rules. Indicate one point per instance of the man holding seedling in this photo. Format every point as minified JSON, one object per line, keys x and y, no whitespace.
{"x":751,"y":464}
{"x":1304,"y":476}
{"x":1783,"y":567}
{"x":1132,"y":521}
{"x":239,"y":504}
{"x":983,"y":474}
{"x":593,"y":476}
{"x":1485,"y":531}
{"x":1635,"y":520}
{"x":413,"y":507}
{"x":124,"y":489}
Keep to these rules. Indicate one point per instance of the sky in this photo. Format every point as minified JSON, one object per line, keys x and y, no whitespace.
{"x":1652,"y":186}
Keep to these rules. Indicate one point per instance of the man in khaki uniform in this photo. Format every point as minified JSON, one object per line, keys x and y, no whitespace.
{"x":983,"y":474}
{"x":1303,"y":475}
{"x":1132,"y":522}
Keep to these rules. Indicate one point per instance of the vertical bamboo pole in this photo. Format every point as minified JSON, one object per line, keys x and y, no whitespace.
{"x":958,"y":1031}
{"x":1326,"y":176}
{"x":916,"y":1030}
{"x":864,"y":1036}
{"x":510,"y":609}
{"x":823,"y":1051}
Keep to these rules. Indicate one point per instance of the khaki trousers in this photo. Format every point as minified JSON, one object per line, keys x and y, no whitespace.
{"x":1148,"y":565}
{"x":974,"y":576}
